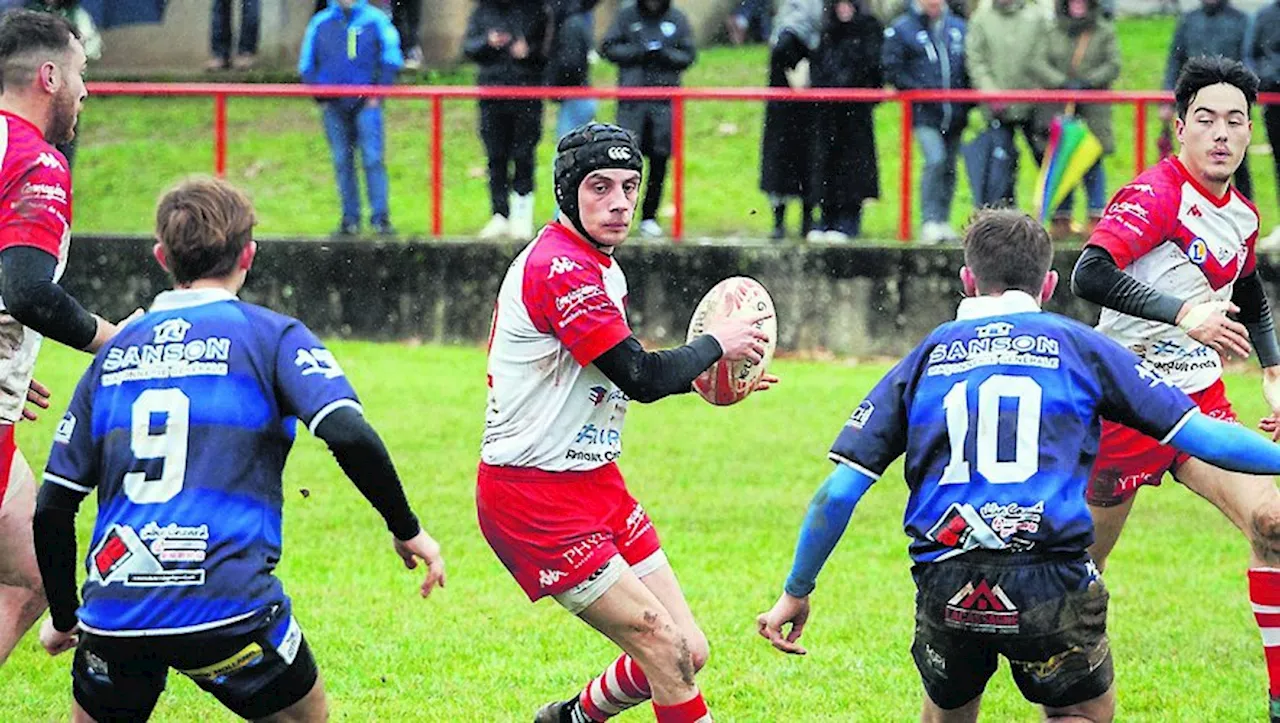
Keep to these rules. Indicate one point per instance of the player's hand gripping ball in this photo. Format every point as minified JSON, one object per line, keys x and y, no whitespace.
{"x":737,"y":297}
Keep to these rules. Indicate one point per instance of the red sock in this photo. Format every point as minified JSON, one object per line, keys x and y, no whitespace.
{"x":1264,"y":593}
{"x":693,"y":710}
{"x":622,"y":685}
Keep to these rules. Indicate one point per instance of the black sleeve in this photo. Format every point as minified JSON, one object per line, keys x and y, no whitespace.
{"x":363,"y":457}
{"x":1096,"y":278}
{"x":647,"y":376}
{"x":1255,"y":314}
{"x":31,"y":296}
{"x":54,"y":531}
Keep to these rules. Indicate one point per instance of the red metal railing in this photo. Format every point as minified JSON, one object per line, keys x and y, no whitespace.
{"x":220,"y":92}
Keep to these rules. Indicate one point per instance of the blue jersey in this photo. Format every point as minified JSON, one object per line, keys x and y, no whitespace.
{"x":998,"y":415}
{"x":182,"y":424}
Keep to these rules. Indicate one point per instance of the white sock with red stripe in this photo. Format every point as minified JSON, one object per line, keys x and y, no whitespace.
{"x":622,"y":685}
{"x":1264,"y":593}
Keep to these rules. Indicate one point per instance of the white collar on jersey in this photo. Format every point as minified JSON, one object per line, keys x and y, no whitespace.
{"x":1010,"y":302}
{"x":184,"y":298}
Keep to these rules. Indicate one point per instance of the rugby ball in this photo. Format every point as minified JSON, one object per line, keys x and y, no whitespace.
{"x":729,"y":382}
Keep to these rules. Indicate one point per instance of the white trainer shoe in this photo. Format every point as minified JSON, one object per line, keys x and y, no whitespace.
{"x":649,"y":228}
{"x":496,"y":230}
{"x":521,"y":222}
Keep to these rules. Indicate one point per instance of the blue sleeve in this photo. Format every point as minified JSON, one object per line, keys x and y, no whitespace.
{"x":392,"y":59}
{"x":309,"y":382}
{"x":876,"y":433}
{"x":73,"y":459}
{"x":307,"y":55}
{"x":1227,"y":445}
{"x":828,"y":516}
{"x":1133,"y":393}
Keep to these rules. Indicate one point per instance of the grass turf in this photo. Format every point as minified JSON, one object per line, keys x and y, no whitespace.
{"x":727,"y":489}
{"x":132,"y":149}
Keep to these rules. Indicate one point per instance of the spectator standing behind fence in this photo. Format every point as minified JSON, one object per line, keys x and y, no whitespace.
{"x":352,"y":43}
{"x":785,"y":168}
{"x":406,"y":15}
{"x":844,"y":151}
{"x":568,"y":64}
{"x":220,"y":36}
{"x":652,"y":44}
{"x":1000,"y":35}
{"x":1262,"y":55}
{"x":1079,"y":52}
{"x":924,"y":49}
{"x":1215,"y":28}
{"x":509,"y":40}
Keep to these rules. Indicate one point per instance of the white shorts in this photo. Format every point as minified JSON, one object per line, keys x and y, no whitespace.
{"x":581,"y":596}
{"x":19,"y":347}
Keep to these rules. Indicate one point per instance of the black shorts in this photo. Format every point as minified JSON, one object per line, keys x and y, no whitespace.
{"x":1046,"y":614}
{"x":254,"y":671}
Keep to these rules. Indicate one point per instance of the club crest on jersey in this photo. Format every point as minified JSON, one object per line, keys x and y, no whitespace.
{"x":983,"y":608}
{"x":171,"y":330}
{"x":861,"y":415}
{"x":994,"y":329}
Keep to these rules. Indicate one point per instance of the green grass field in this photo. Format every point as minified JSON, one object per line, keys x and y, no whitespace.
{"x":727,"y":489}
{"x":132,"y":149}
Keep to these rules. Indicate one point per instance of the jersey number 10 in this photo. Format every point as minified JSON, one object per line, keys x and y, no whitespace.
{"x":169,"y":445}
{"x":1026,"y":457}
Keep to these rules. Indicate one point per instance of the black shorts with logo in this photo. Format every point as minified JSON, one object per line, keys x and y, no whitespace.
{"x":1046,"y":613}
{"x":255,"y":668}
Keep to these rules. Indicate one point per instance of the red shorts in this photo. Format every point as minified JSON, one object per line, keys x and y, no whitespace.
{"x":8,"y":448}
{"x":553,"y":530}
{"x":1129,"y":459}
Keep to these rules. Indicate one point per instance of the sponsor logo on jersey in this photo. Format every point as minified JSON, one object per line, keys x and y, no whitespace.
{"x":121,"y":556}
{"x":170,"y":331}
{"x":547,"y":578}
{"x":175,"y":543}
{"x":1142,"y":188}
{"x":198,"y":357}
{"x":591,"y":434}
{"x":563,"y":265}
{"x":1134,"y":211}
{"x":597,"y":394}
{"x":993,"y":330}
{"x":1198,"y":251}
{"x":1007,"y":520}
{"x":963,"y":355}
{"x":66,"y":428}
{"x":44,"y":192}
{"x":1195,"y":211}
{"x":48,"y":160}
{"x":861,"y":415}
{"x":576,"y":296}
{"x":317,"y":361}
{"x":1149,"y":374}
{"x":983,"y":608}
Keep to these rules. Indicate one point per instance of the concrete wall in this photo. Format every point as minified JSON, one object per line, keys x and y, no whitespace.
{"x":849,"y":300}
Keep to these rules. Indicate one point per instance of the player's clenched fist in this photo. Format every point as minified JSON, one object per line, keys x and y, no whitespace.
{"x":788,"y":609}
{"x":55,"y":641}
{"x":423,"y":547}
{"x":1208,"y":324}
{"x":740,"y":338}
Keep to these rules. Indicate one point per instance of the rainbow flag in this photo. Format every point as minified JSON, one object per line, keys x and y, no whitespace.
{"x":1072,"y":151}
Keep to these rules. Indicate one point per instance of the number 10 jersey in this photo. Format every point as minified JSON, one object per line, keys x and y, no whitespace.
{"x":998,"y":415}
{"x":182,"y":424}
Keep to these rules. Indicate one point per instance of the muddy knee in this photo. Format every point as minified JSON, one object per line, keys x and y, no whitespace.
{"x":699,"y":650}
{"x":660,"y":646}
{"x":1266,"y":532}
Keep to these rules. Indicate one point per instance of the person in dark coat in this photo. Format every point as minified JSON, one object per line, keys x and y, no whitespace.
{"x":845,"y":169}
{"x":788,"y":125}
{"x":509,"y":40}
{"x":652,"y":45}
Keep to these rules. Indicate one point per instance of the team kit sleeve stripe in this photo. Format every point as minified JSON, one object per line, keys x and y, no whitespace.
{"x":841,"y":459}
{"x":599,"y":340}
{"x":330,"y":408}
{"x":50,"y":477}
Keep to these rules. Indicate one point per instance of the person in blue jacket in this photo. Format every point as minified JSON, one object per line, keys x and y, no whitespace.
{"x":352,"y":43}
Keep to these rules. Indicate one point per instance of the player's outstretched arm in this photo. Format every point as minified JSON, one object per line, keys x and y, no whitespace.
{"x":825,"y":523}
{"x":54,"y":533}
{"x":365,"y":460}
{"x":1225,"y":445}
{"x":647,"y":376}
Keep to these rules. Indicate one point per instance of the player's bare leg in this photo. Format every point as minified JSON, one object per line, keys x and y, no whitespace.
{"x":1095,"y":710}
{"x":1252,"y":503}
{"x":313,"y":708}
{"x":21,"y":593}
{"x":664,"y":585}
{"x":1108,"y":523}
{"x":633,"y":617}
{"x":967,"y":713}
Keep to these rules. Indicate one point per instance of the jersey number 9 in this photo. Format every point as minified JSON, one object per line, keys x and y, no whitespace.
{"x":168,"y":444}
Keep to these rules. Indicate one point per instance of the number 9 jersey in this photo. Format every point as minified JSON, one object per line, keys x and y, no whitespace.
{"x":182,"y":424}
{"x":998,"y":415}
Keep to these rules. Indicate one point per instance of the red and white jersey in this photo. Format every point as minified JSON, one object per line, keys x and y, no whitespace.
{"x":1167,"y":231}
{"x":35,"y":210}
{"x":560,"y":307}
